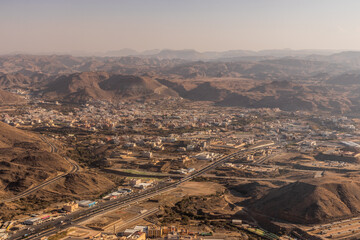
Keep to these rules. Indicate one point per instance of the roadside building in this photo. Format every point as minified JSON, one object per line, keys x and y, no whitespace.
{"x":138,"y":236}
{"x":141,"y":228}
{"x":45,"y":218}
{"x":129,"y":145}
{"x":87,"y":203}
{"x":142,"y":185}
{"x":129,"y":232}
{"x":70,"y":207}
{"x":135,"y":181}
{"x":237,"y":221}
{"x":32,"y":221}
{"x":184,"y":171}
{"x":190,"y":147}
{"x":147,"y":154}
{"x":166,"y":230}
{"x":181,"y":149}
{"x":113,"y":195}
{"x":155,"y":232}
{"x":205,"y":156}
{"x":124,"y":190}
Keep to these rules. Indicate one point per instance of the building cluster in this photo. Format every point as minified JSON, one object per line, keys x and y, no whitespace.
{"x":119,"y":193}
{"x":162,"y":232}
{"x":134,"y":116}
{"x":37,"y":220}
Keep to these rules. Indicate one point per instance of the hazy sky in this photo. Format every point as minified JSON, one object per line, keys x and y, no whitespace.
{"x":97,"y":26}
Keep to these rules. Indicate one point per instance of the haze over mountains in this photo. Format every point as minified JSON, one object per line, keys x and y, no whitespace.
{"x":286,"y":79}
{"x":191,"y":54}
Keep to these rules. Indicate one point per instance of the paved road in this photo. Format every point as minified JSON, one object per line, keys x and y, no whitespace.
{"x":50,"y":228}
{"x":29,"y":191}
{"x":250,"y":179}
{"x":129,"y":221}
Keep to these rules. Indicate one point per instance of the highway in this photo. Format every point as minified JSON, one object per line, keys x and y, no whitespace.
{"x":52,"y":227}
{"x":250,"y":178}
{"x":29,"y":191}
{"x":134,"y":219}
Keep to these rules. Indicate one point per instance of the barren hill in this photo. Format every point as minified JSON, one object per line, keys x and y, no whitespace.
{"x":289,"y":96}
{"x":286,"y":95}
{"x":25,"y":160}
{"x":84,"y":84}
{"x":206,"y":92}
{"x":80,"y":87}
{"x":24,"y":79}
{"x":17,"y":79}
{"x":312,"y":201}
{"x":10,"y":98}
{"x":127,"y":85}
{"x":345,"y":79}
{"x":86,"y":185}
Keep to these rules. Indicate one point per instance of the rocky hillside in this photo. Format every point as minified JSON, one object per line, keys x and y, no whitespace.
{"x":25,"y":160}
{"x":81,"y":87}
{"x":286,"y":95}
{"x":312,"y":201}
{"x":10,"y":98}
{"x":206,"y":92}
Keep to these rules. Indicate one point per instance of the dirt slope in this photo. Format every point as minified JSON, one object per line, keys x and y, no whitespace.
{"x":312,"y":201}
{"x":80,"y":87}
{"x":10,"y":98}
{"x":25,"y":160}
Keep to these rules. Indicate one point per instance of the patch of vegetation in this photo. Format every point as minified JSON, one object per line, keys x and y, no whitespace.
{"x":191,"y":208}
{"x":85,"y":155}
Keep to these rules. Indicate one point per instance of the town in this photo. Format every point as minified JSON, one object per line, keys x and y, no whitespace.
{"x":148,"y":146}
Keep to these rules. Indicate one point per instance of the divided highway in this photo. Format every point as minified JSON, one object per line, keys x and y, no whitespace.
{"x":49,"y":228}
{"x":29,"y":191}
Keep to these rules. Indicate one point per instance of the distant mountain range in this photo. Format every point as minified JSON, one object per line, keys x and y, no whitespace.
{"x":191,"y":54}
{"x":302,"y":82}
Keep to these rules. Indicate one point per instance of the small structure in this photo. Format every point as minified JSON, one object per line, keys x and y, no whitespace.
{"x":142,"y":185}
{"x":147,"y":154}
{"x":135,"y":181}
{"x":138,"y":236}
{"x":87,"y":203}
{"x":205,"y":156}
{"x":237,"y":221}
{"x":32,"y":221}
{"x":155,"y":232}
{"x":124,"y":190}
{"x":70,"y":207}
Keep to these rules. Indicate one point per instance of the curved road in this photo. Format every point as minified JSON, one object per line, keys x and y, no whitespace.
{"x":29,"y":191}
